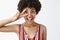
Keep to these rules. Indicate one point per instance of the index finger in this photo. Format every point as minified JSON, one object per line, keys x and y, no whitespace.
{"x":23,"y":11}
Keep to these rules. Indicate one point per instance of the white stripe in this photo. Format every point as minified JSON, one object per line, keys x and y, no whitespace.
{"x":36,"y":36}
{"x":26,"y":37}
{"x":20,"y":33}
{"x":40,"y":32}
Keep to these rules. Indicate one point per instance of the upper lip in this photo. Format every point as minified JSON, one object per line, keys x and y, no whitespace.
{"x":29,"y":18}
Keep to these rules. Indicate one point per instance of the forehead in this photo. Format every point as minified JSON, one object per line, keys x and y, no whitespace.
{"x":27,"y":8}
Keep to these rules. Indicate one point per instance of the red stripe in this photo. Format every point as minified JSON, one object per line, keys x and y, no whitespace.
{"x":34,"y":38}
{"x":39,"y":33}
{"x":23,"y":33}
{"x":31,"y":39}
{"x":19,"y":32}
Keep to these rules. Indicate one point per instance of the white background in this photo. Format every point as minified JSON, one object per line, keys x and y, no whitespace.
{"x":49,"y":16}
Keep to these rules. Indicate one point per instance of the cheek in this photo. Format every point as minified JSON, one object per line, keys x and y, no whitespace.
{"x":34,"y":15}
{"x":25,"y":17}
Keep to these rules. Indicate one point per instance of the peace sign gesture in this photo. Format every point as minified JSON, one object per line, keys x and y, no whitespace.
{"x":19,"y":15}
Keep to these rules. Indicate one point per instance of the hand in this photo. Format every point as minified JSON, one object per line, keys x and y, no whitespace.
{"x":19,"y":15}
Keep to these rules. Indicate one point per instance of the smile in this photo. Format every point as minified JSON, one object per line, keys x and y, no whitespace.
{"x":29,"y":19}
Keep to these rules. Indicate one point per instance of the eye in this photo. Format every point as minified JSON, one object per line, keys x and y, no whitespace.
{"x":33,"y":12}
{"x":25,"y":12}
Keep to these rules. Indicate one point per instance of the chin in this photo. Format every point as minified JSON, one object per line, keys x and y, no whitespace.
{"x":30,"y":22}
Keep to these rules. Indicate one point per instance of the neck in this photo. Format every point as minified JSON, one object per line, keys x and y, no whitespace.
{"x":30,"y":25}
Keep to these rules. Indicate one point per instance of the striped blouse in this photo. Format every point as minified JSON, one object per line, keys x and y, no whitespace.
{"x":23,"y":36}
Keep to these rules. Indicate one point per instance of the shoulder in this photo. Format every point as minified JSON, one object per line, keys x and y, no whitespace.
{"x":44,"y":28}
{"x":44,"y":32}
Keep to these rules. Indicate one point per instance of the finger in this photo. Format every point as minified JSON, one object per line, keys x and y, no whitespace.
{"x":17,"y":14}
{"x":24,"y":15}
{"x":23,"y":11}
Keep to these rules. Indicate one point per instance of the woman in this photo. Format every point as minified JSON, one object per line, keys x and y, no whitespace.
{"x":29,"y":30}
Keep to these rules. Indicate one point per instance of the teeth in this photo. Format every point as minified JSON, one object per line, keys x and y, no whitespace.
{"x":29,"y":18}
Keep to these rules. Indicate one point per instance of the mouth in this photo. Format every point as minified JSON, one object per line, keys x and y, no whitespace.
{"x":29,"y":19}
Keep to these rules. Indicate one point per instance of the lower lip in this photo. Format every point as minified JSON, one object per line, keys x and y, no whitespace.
{"x":29,"y":20}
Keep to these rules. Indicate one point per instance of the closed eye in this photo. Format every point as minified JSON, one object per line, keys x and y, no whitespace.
{"x":25,"y":12}
{"x":33,"y":12}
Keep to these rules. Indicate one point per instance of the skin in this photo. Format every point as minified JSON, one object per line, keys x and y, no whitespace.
{"x":29,"y":15}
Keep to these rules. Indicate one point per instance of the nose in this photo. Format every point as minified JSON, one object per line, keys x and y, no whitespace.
{"x":29,"y":15}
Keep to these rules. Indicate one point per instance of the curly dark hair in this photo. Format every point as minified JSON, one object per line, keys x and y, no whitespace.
{"x":29,"y":3}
